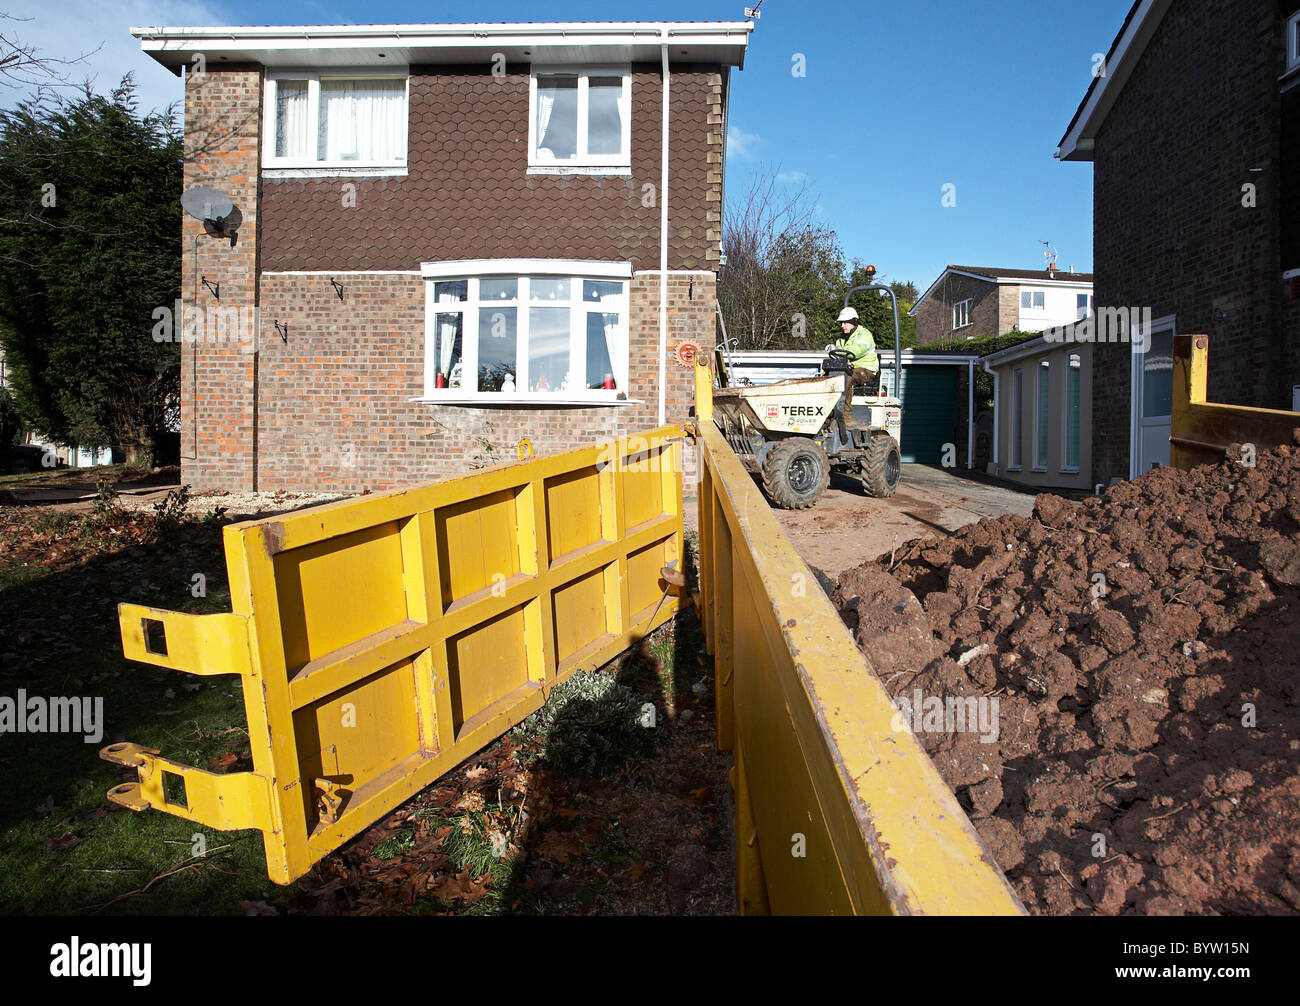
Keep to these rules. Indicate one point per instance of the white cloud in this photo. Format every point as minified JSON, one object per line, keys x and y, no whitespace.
{"x":792,"y":177}
{"x":742,"y":144}
{"x":66,"y":29}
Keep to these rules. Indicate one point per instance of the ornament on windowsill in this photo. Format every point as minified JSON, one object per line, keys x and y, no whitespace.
{"x":508,"y":385}
{"x":542,"y":384}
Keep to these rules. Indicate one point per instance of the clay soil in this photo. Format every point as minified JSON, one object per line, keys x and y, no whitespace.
{"x":1144,"y":651}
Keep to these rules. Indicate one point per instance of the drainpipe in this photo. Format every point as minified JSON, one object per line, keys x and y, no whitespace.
{"x":970,"y":416}
{"x":997,"y":431}
{"x":663,"y":246}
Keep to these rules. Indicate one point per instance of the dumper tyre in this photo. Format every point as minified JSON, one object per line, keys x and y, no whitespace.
{"x":795,"y":473}
{"x":881,"y":466}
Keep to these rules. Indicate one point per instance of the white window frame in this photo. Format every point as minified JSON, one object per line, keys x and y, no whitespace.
{"x":313,"y":78}
{"x":1031,"y":294}
{"x":1016,"y":452}
{"x":584,"y":73}
{"x":965,"y":307}
{"x":524,"y":271}
{"x":1042,"y":415}
{"x":1293,"y":42}
{"x":1066,"y":467}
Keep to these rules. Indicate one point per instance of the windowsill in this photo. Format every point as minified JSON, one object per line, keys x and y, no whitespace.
{"x":493,"y":398}
{"x":1069,"y":471}
{"x":337,"y":171}
{"x":1291,"y":76}
{"x":580,"y":169}
{"x":1038,"y":471}
{"x":1014,"y":468}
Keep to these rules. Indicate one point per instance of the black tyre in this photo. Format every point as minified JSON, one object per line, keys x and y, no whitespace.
{"x":882,"y":466}
{"x":796,"y":473}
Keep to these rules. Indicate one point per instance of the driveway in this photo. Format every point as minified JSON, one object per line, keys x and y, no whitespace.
{"x":847,"y":527}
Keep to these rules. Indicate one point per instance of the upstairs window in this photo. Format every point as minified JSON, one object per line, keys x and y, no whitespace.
{"x":580,"y":118}
{"x":961,"y":313}
{"x":1085,"y":304}
{"x":1033,"y":300}
{"x":324,"y":120}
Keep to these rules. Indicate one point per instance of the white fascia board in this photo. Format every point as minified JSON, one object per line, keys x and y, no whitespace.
{"x":1013,"y":281}
{"x":1078,"y":143}
{"x":302,"y":45}
{"x":524,"y":267}
{"x":1021,"y":350}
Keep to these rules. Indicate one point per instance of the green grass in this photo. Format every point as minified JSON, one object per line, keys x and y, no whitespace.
{"x":64,"y":641}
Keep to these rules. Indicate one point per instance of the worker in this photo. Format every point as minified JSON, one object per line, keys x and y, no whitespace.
{"x":860,"y":346}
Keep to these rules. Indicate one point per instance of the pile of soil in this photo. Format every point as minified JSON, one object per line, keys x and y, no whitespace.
{"x":1144,"y":652}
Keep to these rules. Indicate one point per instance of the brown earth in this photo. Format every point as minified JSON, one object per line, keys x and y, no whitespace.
{"x":1144,"y":652}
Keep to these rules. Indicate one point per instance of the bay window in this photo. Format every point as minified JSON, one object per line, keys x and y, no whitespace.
{"x":580,"y":118}
{"x":526,"y":330}
{"x":352,"y":119}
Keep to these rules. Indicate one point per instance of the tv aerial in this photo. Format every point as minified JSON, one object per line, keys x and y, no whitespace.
{"x":221,"y":218}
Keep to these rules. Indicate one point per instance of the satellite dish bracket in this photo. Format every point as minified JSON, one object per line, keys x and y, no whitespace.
{"x":215,"y":290}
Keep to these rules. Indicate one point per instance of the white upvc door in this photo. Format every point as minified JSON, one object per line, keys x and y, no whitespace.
{"x":1153,"y":391}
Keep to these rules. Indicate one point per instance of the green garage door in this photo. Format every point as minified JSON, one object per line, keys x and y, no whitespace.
{"x":929,"y":412}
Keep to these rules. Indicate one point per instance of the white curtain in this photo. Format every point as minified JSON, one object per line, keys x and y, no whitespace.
{"x":362,"y":120}
{"x":610,"y":322}
{"x":545,"y":104}
{"x":292,"y":135}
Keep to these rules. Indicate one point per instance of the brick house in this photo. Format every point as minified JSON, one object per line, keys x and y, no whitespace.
{"x":452,"y":238}
{"x":1194,"y":136}
{"x":968,"y":301}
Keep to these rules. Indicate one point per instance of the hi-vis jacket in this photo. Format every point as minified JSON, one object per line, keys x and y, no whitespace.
{"x":862,"y":347}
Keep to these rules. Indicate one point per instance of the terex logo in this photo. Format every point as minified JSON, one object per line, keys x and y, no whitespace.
{"x":811,"y":411}
{"x":772,"y":412}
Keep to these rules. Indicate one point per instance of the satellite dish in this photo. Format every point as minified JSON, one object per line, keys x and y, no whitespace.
{"x":215,"y":209}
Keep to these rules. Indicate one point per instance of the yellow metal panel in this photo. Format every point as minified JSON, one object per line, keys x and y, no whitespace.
{"x":1203,"y":432}
{"x":486,"y":663}
{"x":385,"y":639}
{"x":820,"y":757}
{"x":323,"y":605}
{"x":573,"y":511}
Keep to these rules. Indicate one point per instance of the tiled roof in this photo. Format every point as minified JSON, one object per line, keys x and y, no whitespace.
{"x":1060,"y":275}
{"x":467,"y":193}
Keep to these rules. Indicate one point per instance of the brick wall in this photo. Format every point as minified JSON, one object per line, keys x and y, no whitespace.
{"x":334,"y":401}
{"x":1170,"y":232}
{"x":934,"y":316}
{"x":223,"y":126}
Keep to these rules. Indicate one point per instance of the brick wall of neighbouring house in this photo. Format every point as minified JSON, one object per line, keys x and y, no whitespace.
{"x":467,"y":193}
{"x":334,"y":400}
{"x":934,"y":316}
{"x":223,"y":127}
{"x":1170,"y":231}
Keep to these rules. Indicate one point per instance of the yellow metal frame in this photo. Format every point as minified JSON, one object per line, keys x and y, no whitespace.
{"x":837,"y":812}
{"x":1202,"y":431}
{"x":383,"y":640}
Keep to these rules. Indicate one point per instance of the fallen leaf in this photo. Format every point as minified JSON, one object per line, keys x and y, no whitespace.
{"x":476,"y":773}
{"x":62,"y":844}
{"x":222,"y":762}
{"x":47,"y":808}
{"x":700,"y":795}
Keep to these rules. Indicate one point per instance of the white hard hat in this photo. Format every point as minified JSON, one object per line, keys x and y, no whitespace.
{"x":848,"y":314}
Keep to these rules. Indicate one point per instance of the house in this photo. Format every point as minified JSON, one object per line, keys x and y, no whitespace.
{"x":968,"y":301}
{"x":1192,"y":126}
{"x":446,"y":238}
{"x":1042,"y":409}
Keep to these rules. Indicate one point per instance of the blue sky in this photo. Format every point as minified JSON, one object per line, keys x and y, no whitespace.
{"x":899,"y":99}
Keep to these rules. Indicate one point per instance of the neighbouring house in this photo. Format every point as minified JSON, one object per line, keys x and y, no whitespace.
{"x":1192,"y":125}
{"x":1043,"y":410}
{"x":969,"y":301}
{"x":450,"y":238}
